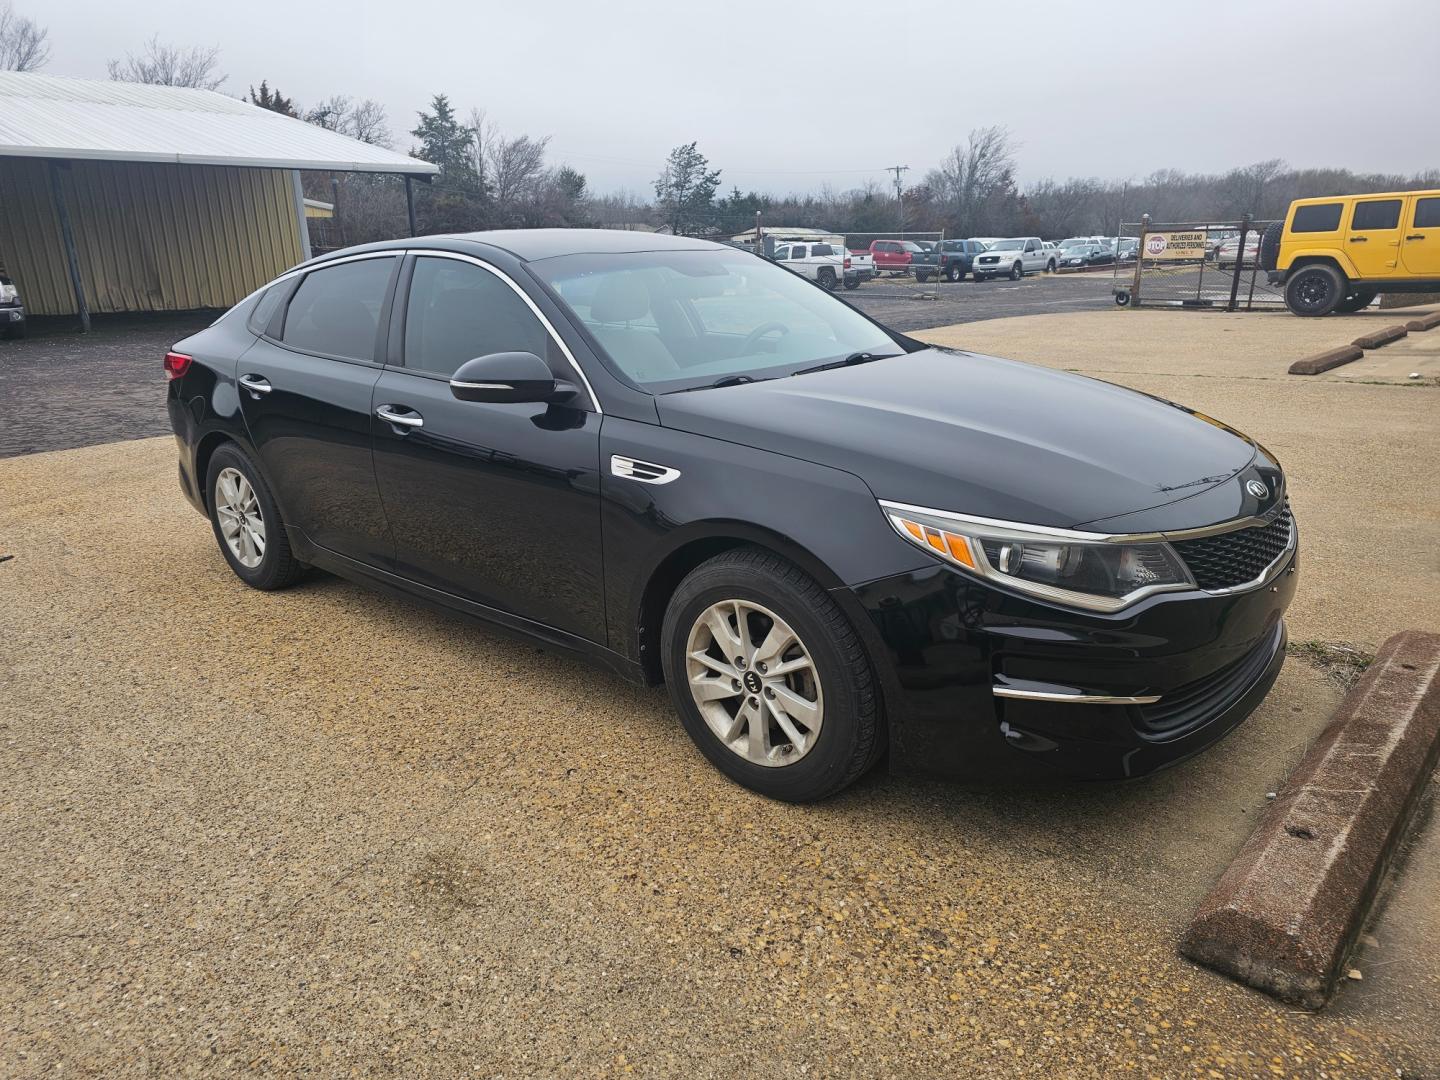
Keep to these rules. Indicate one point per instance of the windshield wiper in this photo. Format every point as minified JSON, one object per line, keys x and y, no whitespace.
{"x":845,"y":361}
{"x":728,"y":380}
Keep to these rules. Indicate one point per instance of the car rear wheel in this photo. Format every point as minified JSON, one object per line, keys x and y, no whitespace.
{"x":1017,"y":272}
{"x":769,"y":678}
{"x":247,"y":523}
{"x":852,"y":283}
{"x":954,"y":273}
{"x":1358,"y":300}
{"x":921,"y":277}
{"x":826,"y":278}
{"x":1315,"y":290}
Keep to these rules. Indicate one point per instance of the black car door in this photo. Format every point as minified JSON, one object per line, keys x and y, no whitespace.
{"x":495,"y":503}
{"x":305,"y":388}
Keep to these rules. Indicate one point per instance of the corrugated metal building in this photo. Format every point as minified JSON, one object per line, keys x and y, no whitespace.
{"x":122,"y":197}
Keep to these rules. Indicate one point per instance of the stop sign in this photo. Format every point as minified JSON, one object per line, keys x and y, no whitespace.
{"x":1155,"y":245}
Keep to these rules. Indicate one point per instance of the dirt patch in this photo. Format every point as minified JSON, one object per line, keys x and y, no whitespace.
{"x":1343,"y":662}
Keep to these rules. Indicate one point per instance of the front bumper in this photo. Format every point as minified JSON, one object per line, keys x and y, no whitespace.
{"x":9,"y":315}
{"x":1174,"y":673}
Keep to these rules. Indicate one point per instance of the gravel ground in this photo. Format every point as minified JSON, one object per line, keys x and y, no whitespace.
{"x":322,"y":831}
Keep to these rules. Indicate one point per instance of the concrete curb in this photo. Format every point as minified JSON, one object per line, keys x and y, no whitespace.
{"x":1424,"y":322}
{"x":1382,"y":337}
{"x":1331,"y":358}
{"x":1284,"y":914}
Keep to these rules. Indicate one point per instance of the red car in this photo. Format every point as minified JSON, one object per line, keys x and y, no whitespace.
{"x":893,"y":255}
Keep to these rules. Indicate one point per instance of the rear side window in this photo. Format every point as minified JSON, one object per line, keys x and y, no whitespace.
{"x":1427,"y":213}
{"x":264,"y":309}
{"x":336,"y":310}
{"x":798,"y":251}
{"x":1322,"y":217}
{"x":1379,"y":214}
{"x":457,"y":311}
{"x":821,"y":249}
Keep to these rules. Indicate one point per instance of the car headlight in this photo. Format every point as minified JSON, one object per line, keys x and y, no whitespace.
{"x":1082,"y":569}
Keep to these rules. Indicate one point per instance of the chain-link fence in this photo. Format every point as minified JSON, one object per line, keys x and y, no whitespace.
{"x":1204,"y":264}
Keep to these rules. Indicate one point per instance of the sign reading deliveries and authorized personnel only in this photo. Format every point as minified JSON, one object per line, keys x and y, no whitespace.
{"x":1175,"y":245}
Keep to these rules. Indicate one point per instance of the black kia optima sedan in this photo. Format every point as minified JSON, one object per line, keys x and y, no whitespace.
{"x":834,"y":543}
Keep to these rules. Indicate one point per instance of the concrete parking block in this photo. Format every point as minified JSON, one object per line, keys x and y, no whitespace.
{"x":1424,"y":322}
{"x":1382,"y":337}
{"x":1284,"y":915}
{"x":1330,"y":358}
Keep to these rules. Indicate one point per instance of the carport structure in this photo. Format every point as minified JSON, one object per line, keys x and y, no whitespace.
{"x":122,"y":197}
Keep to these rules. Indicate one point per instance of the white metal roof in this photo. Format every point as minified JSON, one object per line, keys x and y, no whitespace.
{"x":56,"y":117}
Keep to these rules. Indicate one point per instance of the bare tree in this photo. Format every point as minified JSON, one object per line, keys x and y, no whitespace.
{"x":170,"y":65}
{"x":23,"y":45}
{"x":364,"y":120}
{"x":974,"y":174}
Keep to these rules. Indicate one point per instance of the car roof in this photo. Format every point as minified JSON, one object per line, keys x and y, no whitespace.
{"x":530,"y":245}
{"x":1428,"y":193}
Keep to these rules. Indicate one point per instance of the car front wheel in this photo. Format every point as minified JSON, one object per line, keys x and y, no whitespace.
{"x":769,"y":678}
{"x":247,"y":523}
{"x":1315,"y":290}
{"x":1017,"y":272}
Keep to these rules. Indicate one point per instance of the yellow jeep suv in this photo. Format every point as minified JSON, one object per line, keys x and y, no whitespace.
{"x":1336,"y":254}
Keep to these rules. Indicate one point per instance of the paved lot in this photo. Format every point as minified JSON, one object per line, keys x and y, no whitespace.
{"x":250,"y":834}
{"x":60,"y":389}
{"x":897,"y":302}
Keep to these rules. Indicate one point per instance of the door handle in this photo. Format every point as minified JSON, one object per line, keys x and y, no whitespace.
{"x":1359,"y":239}
{"x":256,"y":384}
{"x":408,"y":418}
{"x":1416,"y":236}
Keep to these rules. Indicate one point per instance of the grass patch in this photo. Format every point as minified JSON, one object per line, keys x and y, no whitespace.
{"x":1343,"y":662}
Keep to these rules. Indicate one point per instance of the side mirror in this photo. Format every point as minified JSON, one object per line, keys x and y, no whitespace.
{"x":508,"y":377}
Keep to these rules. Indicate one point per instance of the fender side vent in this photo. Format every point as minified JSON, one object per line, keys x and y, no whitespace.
{"x":646,"y":472}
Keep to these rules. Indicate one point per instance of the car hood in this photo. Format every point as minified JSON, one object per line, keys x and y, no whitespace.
{"x":979,"y":435}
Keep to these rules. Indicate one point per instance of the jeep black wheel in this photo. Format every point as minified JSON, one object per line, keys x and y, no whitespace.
{"x":1358,"y":300}
{"x":1315,"y":290}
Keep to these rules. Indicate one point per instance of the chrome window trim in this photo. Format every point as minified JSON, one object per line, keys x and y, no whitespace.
{"x":508,"y":280}
{"x":481,"y":385}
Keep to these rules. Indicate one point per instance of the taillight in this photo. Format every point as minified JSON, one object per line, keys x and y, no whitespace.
{"x":847,"y":262}
{"x":176,"y":364}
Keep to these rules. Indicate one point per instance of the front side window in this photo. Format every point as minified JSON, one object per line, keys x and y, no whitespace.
{"x":336,"y":309}
{"x":1377,"y":214}
{"x":675,"y":320}
{"x":1427,"y":213}
{"x":1319,"y":217}
{"x":457,"y":311}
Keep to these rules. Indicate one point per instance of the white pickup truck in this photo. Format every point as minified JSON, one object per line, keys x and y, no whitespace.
{"x":824,"y":263}
{"x":1014,"y":257}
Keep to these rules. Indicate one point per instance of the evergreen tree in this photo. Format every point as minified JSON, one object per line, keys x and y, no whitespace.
{"x":685,"y":191}
{"x":273,"y":100}
{"x":446,"y":142}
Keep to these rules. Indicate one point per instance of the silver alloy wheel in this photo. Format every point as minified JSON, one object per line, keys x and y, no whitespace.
{"x":754,"y":683}
{"x":241,"y":522}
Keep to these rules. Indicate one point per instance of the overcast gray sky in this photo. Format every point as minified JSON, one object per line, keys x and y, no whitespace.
{"x":786,"y":95}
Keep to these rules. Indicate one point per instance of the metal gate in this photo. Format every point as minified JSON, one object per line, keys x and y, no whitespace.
{"x":1200,"y":264}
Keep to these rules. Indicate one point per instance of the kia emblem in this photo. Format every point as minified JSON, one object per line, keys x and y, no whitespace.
{"x":1256,"y":488}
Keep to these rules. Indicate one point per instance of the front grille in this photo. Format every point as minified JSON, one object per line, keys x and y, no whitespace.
{"x":1236,"y":558}
{"x":1196,"y":703}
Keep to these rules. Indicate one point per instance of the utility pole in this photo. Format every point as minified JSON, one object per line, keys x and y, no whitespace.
{"x":900,"y":192}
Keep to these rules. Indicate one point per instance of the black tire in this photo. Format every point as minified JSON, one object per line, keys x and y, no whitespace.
{"x":1270,"y":245}
{"x":1315,"y":289}
{"x":921,"y":277}
{"x":953,"y":273}
{"x":826,"y":277}
{"x":278,"y":568}
{"x":1358,"y":300}
{"x":852,"y":283}
{"x":1017,"y":272}
{"x":980,"y":277}
{"x":1050,"y":267}
{"x":851,"y":731}
{"x":1122,"y":299}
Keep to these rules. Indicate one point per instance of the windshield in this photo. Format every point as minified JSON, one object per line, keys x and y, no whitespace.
{"x":1007,"y":245}
{"x":676,"y":320}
